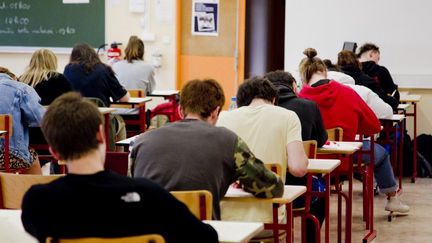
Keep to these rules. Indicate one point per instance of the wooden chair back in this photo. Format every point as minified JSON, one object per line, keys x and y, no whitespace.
{"x":137,"y":93}
{"x":6,"y":125}
{"x":199,"y":202}
{"x":335,"y":134}
{"x":14,"y":186}
{"x":151,"y":238}
{"x":310,"y":148}
{"x":276,"y":168}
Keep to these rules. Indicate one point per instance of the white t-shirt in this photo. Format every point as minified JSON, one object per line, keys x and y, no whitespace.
{"x":135,"y":75}
{"x":266,"y":129}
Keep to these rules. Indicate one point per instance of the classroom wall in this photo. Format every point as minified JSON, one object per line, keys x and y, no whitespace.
{"x":400,"y":28}
{"x":120,"y":23}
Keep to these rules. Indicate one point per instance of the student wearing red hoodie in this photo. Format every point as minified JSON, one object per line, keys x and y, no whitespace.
{"x":341,"y":106}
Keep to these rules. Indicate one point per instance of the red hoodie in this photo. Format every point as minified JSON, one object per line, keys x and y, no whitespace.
{"x":341,"y":106}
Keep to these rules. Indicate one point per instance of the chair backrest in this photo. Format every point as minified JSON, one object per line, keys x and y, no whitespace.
{"x":335,"y":134}
{"x":153,"y":238}
{"x":6,"y":123}
{"x":276,"y":168}
{"x":310,"y":148}
{"x":199,"y":202}
{"x":138,"y":93}
{"x":14,"y":186}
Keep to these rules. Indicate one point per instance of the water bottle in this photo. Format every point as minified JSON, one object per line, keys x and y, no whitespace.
{"x":233,"y":104}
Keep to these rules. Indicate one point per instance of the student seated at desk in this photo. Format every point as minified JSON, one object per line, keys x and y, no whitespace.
{"x":42,"y":75}
{"x":274,"y":135}
{"x":133,"y":72}
{"x":22,"y":102}
{"x":312,"y":129}
{"x":92,"y":78}
{"x":193,"y":154}
{"x":91,"y":202}
{"x":341,"y":107}
{"x":369,"y":57}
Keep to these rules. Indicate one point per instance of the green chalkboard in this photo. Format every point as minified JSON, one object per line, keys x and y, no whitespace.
{"x":51,"y":23}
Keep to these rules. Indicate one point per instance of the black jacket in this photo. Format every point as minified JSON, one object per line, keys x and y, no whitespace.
{"x":382,"y":75}
{"x":308,"y":113}
{"x":363,"y":79}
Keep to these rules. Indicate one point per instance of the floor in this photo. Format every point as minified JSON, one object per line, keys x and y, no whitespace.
{"x":414,"y":227}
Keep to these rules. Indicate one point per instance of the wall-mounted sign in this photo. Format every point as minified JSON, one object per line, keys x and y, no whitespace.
{"x":205,"y":17}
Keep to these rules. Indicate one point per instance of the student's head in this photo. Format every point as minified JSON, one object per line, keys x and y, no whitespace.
{"x":134,"y":49}
{"x":369,"y":52}
{"x":42,"y":63}
{"x":86,"y":55}
{"x":204,"y":98}
{"x":256,"y":88}
{"x":8,"y":72}
{"x":73,"y":127}
{"x":330,"y":66}
{"x":311,"y":65}
{"x":348,"y":58}
{"x":283,"y":78}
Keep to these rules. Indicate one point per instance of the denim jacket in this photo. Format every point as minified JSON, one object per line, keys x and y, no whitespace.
{"x":22,"y":102}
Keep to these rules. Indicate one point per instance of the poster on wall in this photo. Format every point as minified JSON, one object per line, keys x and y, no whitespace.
{"x":205,"y":17}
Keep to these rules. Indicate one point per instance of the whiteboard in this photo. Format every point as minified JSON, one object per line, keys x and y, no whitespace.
{"x":401,"y":28}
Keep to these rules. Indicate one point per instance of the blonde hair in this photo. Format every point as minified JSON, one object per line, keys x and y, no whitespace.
{"x":134,"y":49}
{"x":310,"y":65}
{"x":8,"y":72}
{"x":42,"y":63}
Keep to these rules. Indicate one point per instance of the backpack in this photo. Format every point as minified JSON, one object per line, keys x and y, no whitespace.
{"x":424,"y":161}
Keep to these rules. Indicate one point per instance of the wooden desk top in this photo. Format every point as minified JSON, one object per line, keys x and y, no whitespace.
{"x":340,"y":148}
{"x":163,"y":93}
{"x":409,"y":98}
{"x":403,"y":106}
{"x":127,"y":141}
{"x":136,"y":100}
{"x":235,"y":232}
{"x":106,"y":110}
{"x":11,"y":228}
{"x":323,"y":166}
{"x":289,"y":195}
{"x":394,"y":118}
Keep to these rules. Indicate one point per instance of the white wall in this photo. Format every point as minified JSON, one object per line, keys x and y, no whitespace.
{"x":400,"y":28}
{"x":119,"y":25}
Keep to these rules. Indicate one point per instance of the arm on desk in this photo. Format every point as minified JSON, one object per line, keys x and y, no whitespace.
{"x":125,"y":98}
{"x":253,"y":175}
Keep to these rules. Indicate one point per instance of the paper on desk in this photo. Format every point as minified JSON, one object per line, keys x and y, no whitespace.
{"x":336,"y":145}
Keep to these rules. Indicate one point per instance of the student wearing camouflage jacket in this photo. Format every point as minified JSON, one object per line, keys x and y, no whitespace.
{"x":193,"y":154}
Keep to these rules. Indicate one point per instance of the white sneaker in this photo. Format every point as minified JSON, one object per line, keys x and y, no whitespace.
{"x":394,"y":204}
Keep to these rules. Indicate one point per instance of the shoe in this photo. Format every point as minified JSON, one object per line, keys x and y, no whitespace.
{"x":394,"y":204}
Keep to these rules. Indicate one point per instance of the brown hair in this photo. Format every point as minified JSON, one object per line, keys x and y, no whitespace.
{"x":134,"y":49}
{"x":86,"y":55}
{"x":8,"y":72}
{"x":281,"y":77}
{"x":256,"y":87}
{"x":310,"y":65}
{"x":346,"y":57}
{"x":368,"y":47}
{"x":201,"y":97}
{"x":70,"y":126}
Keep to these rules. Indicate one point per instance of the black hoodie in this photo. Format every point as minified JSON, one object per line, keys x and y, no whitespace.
{"x":362,"y":79}
{"x":382,"y":75}
{"x":307,"y":111}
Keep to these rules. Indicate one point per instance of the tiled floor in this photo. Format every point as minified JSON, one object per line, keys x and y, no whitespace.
{"x":414,"y":227}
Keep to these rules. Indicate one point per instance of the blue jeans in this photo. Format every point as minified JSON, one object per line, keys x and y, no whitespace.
{"x":383,"y":170}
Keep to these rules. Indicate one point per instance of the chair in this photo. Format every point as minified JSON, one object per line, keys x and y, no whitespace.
{"x":6,"y":125}
{"x":199,"y":202}
{"x":310,"y":148}
{"x":151,"y":238}
{"x":335,"y":134}
{"x":138,"y":93}
{"x":14,"y":186}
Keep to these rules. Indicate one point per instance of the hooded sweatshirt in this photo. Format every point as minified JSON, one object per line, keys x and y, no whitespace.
{"x":382,"y":75}
{"x":341,"y":106}
{"x":362,"y":79}
{"x":307,"y":111}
